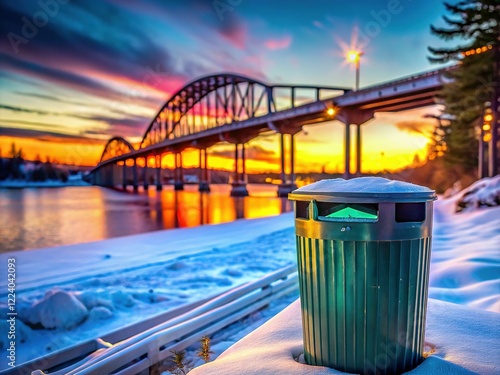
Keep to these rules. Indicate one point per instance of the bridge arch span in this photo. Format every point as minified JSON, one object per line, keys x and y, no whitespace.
{"x":116,"y":146}
{"x":209,"y":102}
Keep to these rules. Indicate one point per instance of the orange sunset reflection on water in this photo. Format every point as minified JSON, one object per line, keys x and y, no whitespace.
{"x":52,"y":217}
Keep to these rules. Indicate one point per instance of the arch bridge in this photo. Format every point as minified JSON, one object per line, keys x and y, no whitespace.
{"x":235,"y":109}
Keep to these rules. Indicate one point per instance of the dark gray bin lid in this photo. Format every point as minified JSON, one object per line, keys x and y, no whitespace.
{"x":363,"y":190}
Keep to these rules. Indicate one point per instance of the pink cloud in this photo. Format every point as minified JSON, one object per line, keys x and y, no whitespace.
{"x":282,"y":43}
{"x":318,"y":24}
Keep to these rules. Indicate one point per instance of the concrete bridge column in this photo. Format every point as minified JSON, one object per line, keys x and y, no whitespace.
{"x":124,"y":175}
{"x":243,"y":174}
{"x":134,"y":171}
{"x":159,"y":185}
{"x":357,"y":117}
{"x":145,"y":174}
{"x":179,"y":173}
{"x":203,"y":184}
{"x":358,"y":150}
{"x":292,"y":158}
{"x":287,"y":181}
{"x":239,"y":186}
{"x":105,"y":176}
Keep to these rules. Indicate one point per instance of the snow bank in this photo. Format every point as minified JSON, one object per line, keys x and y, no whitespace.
{"x":58,"y":309}
{"x":42,"y":268}
{"x":462,"y":341}
{"x":483,"y":193}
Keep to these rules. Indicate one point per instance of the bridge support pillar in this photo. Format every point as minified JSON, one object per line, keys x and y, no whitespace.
{"x":358,"y":150}
{"x":134,"y":171}
{"x":179,"y":173}
{"x":159,"y":185}
{"x":203,"y":185}
{"x":145,"y":174}
{"x":357,"y":117}
{"x":287,"y":180}
{"x":124,"y":175}
{"x":239,"y":185}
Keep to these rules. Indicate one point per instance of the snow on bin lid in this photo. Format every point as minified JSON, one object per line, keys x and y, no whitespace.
{"x":363,"y":189}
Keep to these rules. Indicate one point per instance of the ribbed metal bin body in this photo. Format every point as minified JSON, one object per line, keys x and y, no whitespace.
{"x":363,"y":303}
{"x":364,"y":283}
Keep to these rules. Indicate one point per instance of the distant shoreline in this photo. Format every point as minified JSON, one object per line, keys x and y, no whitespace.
{"x":21,"y":184}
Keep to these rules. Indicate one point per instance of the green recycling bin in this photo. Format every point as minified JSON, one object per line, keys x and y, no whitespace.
{"x":363,"y":250}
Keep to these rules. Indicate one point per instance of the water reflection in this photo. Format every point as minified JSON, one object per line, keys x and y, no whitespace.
{"x":36,"y":218}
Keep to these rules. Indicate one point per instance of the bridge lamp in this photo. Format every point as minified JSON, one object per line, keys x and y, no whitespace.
{"x":355,"y":57}
{"x":330,"y":111}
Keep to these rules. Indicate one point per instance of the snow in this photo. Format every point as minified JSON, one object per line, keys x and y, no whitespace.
{"x":112,"y":283}
{"x":462,"y":341}
{"x":461,"y":338}
{"x":483,"y":193}
{"x":363,"y":185}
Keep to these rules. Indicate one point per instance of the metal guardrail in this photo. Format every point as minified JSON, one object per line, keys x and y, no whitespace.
{"x":70,"y":355}
{"x":145,"y":350}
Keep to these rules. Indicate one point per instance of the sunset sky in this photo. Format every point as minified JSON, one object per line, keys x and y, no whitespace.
{"x":75,"y":73}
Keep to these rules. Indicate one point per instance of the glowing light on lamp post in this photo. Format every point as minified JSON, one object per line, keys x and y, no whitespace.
{"x":355,"y":57}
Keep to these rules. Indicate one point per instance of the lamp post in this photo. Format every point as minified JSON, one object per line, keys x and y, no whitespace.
{"x":355,"y":57}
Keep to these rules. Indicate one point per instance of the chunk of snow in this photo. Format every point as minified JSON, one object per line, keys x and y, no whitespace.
{"x":100,"y":313}
{"x":58,"y":309}
{"x":482,"y":193}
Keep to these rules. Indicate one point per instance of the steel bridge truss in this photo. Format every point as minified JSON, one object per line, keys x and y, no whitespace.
{"x":116,"y":146}
{"x":219,"y":100}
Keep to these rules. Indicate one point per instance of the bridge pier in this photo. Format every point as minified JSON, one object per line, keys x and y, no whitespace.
{"x":159,"y":185}
{"x":145,"y":174}
{"x":287,"y":180}
{"x":239,"y":185}
{"x":203,"y":177}
{"x":179,"y":173}
{"x":134,"y":171}
{"x":124,"y":175}
{"x":356,"y":117}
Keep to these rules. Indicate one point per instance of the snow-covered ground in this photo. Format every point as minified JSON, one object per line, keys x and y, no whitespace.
{"x":96,"y":287}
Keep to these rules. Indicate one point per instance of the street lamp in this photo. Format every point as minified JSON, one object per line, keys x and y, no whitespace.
{"x":355,"y":56}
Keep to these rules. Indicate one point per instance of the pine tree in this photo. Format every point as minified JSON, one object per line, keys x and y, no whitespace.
{"x":476,"y":23}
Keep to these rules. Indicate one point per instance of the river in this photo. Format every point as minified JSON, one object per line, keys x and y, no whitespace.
{"x":34,"y":218}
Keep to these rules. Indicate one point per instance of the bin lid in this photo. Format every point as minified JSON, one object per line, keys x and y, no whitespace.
{"x":363,"y":190}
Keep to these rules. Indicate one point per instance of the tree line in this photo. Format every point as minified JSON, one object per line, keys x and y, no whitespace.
{"x":472,"y":86}
{"x":15,"y":167}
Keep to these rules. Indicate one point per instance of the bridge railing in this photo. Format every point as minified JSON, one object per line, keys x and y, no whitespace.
{"x":290,"y":96}
{"x":144,"y":351}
